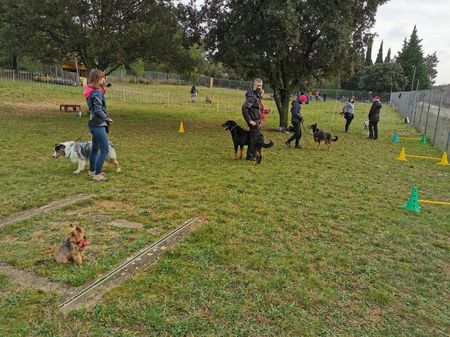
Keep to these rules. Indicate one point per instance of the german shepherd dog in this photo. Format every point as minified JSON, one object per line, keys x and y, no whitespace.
{"x":320,"y":136}
{"x":241,"y":137}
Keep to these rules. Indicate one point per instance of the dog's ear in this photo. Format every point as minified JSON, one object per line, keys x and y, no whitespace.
{"x":79,"y":229}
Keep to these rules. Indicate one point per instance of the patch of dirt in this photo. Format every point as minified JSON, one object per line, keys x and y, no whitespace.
{"x":123,"y":223}
{"x":32,"y":280}
{"x":43,"y":209}
{"x":93,"y":293}
{"x":30,"y":108}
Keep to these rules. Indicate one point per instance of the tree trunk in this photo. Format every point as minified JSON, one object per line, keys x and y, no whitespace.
{"x":282,"y":97}
{"x":15,"y":63}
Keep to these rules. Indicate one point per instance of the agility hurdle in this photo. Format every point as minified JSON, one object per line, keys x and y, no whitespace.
{"x":442,"y":160}
{"x":413,"y":204}
{"x":396,"y":138}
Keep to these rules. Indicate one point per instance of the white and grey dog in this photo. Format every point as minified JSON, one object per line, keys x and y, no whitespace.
{"x":78,"y":152}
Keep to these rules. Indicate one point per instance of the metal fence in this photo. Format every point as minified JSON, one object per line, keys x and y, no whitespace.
{"x":428,"y":111}
{"x":171,"y":78}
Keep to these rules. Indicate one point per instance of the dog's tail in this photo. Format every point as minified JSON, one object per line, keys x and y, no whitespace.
{"x":335,"y":139}
{"x":270,"y":144}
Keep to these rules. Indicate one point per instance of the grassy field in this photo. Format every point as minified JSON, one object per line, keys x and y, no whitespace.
{"x":309,"y":243}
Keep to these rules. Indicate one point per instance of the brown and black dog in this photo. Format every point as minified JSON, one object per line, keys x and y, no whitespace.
{"x":241,"y":137}
{"x":72,"y":249}
{"x":320,"y":136}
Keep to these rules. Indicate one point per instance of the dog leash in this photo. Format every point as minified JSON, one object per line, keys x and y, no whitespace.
{"x":82,"y":134}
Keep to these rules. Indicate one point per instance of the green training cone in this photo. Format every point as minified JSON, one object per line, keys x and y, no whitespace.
{"x":413,"y":201}
{"x":424,"y":138}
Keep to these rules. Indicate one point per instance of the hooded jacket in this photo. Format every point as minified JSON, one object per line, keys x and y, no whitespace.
{"x":295,"y":111}
{"x":374,"y":113}
{"x":251,"y":108}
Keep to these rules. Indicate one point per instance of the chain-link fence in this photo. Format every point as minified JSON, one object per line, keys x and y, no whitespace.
{"x":428,"y":111}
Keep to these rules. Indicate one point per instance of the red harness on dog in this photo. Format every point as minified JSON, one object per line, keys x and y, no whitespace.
{"x":83,"y":244}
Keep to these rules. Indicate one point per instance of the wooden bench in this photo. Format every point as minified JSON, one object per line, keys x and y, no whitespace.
{"x":72,"y":107}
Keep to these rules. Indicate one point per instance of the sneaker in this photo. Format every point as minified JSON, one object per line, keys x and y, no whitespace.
{"x":287,"y":144}
{"x":298,"y":146}
{"x":91,"y":174}
{"x":100,"y":177}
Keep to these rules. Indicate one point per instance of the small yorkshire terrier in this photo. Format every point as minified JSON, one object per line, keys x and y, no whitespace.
{"x":72,"y":249}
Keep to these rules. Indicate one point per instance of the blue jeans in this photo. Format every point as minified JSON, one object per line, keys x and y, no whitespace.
{"x":100,"y":148}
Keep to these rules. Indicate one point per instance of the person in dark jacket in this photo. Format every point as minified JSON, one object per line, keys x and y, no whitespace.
{"x":193,"y":93}
{"x":251,"y":111}
{"x":99,"y":122}
{"x":296,"y":119}
{"x":374,"y":117}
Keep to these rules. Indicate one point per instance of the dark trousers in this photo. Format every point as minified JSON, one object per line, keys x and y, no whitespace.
{"x":297,"y":133}
{"x":373,"y":130}
{"x":100,"y":148}
{"x":348,"y":117}
{"x":251,"y":149}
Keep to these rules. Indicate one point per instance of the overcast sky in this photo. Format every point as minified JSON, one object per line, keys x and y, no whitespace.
{"x":396,"y":19}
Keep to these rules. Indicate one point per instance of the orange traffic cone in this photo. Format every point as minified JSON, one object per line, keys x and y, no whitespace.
{"x":181,"y":128}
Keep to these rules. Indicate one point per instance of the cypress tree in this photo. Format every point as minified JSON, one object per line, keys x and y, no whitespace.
{"x":388,"y":56}
{"x":380,"y":54}
{"x":368,"y":60}
{"x":412,"y":61}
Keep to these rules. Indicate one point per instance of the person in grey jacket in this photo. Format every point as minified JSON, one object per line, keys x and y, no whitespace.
{"x":296,"y":119}
{"x":374,"y":117}
{"x":349,"y":112}
{"x":99,"y":122}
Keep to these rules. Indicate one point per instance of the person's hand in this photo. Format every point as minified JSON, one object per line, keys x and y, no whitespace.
{"x":253,"y":123}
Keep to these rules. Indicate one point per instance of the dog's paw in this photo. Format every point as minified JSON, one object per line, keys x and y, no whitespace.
{"x":76,"y":172}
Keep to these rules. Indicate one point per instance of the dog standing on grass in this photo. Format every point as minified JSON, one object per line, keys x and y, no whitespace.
{"x":78,"y":152}
{"x":320,"y":136}
{"x":241,"y":137}
{"x":72,"y":249}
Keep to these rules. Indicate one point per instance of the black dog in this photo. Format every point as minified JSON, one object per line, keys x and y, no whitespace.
{"x":259,"y":145}
{"x":320,"y":136}
{"x":241,"y":137}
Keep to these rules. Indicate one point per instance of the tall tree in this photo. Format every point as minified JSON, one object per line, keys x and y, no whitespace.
{"x":412,"y":61}
{"x":368,"y":60}
{"x":380,"y":54}
{"x":388,"y":56}
{"x":380,"y":77}
{"x":431,"y":62}
{"x":101,"y":34}
{"x":288,"y":42}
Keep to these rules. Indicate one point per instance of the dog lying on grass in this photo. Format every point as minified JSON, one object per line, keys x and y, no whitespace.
{"x":241,"y":138}
{"x":72,"y":249}
{"x":78,"y":152}
{"x":320,"y":136}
